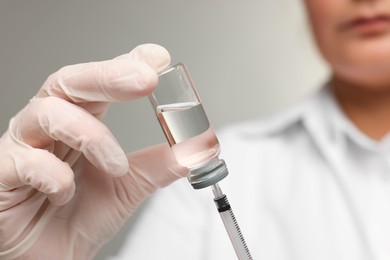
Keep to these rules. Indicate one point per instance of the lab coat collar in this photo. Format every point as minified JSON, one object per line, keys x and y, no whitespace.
{"x":320,"y":115}
{"x":332,"y":130}
{"x":324,"y":120}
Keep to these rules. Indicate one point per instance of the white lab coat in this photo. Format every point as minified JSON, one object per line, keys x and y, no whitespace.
{"x":304,"y":184}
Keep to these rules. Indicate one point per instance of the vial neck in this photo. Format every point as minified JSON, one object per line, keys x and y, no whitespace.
{"x":208,"y":174}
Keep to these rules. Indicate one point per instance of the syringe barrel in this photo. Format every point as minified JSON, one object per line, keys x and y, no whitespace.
{"x":232,"y":228}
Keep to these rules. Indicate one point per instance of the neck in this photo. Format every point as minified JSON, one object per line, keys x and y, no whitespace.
{"x":367,"y":107}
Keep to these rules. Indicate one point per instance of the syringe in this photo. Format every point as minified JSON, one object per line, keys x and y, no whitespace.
{"x":231,"y":225}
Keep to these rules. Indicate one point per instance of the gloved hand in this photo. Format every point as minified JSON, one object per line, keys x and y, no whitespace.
{"x":66,"y":186}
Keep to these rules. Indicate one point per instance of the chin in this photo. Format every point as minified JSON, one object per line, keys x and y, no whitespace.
{"x":363,"y":62}
{"x":367,"y":78}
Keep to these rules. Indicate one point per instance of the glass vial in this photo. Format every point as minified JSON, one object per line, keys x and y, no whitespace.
{"x":187,"y":128}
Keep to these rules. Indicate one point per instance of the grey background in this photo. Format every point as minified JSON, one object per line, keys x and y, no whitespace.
{"x":247,"y":58}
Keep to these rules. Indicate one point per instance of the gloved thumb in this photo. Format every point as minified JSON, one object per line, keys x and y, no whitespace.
{"x":152,"y":168}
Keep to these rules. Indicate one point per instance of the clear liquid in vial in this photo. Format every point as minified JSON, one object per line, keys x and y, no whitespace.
{"x":189,"y":133}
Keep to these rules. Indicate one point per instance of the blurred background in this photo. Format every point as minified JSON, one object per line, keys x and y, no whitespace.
{"x":247,"y":58}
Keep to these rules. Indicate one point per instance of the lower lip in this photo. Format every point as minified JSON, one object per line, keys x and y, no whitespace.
{"x":371,"y":27}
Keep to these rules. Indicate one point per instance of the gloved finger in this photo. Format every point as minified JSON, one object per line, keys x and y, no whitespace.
{"x":107,"y":81}
{"x":154,"y":167}
{"x":154,"y":55}
{"x":51,"y":118}
{"x":43,"y":171}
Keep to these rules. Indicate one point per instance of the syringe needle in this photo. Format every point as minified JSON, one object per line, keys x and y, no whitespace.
{"x":231,"y":224}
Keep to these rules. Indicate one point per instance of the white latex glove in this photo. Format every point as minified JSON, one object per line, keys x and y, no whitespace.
{"x":56,"y":203}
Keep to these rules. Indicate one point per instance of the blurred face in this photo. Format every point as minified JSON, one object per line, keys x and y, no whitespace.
{"x":354,"y":37}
